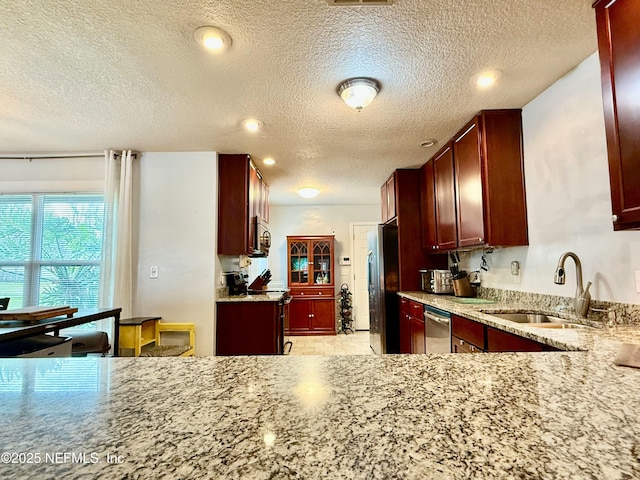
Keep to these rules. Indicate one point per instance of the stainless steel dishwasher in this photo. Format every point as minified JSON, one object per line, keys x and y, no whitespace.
{"x":437,"y":330}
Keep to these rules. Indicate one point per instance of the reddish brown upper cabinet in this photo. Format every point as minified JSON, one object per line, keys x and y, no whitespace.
{"x":242,"y":195}
{"x":388,"y":199}
{"x":428,"y":207}
{"x":618,"y":39}
{"x":489,"y":181}
{"x":445,"y":199}
{"x":406,"y":206}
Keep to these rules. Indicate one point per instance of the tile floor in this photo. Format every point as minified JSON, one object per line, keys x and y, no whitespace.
{"x":351,"y":344}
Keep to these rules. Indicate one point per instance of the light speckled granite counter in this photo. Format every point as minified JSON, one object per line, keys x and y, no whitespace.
{"x":555,"y":415}
{"x":256,"y":297}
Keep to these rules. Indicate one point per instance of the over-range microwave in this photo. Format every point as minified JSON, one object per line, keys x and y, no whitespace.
{"x":262,"y":237}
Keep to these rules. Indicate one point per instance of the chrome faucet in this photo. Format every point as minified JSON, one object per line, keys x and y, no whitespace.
{"x":583,"y":297}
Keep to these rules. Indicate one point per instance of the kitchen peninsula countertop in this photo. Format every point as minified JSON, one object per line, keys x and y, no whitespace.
{"x":551,"y":415}
{"x":268,"y":296}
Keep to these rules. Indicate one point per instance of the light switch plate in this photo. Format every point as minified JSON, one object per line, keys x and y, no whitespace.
{"x":153,"y":272}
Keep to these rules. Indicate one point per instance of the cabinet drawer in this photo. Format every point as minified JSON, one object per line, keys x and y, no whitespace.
{"x":472,"y":332}
{"x":416,"y":310}
{"x":313,"y":292}
{"x":459,"y":345}
{"x":405,"y":305}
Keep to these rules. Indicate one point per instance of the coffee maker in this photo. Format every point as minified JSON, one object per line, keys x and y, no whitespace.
{"x":237,"y":283}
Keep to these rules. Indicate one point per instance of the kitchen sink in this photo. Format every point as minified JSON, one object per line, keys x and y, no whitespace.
{"x":538,"y":320}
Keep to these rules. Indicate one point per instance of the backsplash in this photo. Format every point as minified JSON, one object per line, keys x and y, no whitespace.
{"x":600,"y":311}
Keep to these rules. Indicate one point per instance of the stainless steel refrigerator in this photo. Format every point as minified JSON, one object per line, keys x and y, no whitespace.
{"x":383,"y":277}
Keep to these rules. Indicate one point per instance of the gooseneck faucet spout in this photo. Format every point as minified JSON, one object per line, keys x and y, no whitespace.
{"x":583,"y":297}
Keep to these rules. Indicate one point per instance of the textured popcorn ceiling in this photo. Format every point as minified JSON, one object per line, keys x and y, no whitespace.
{"x":83,"y":75}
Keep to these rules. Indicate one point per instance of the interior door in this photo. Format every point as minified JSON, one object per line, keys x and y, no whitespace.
{"x":360,"y":287}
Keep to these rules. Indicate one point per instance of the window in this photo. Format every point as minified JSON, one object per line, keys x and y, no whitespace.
{"x":50,"y":249}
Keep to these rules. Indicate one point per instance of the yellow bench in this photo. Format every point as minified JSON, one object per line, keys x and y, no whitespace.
{"x":143,"y":336}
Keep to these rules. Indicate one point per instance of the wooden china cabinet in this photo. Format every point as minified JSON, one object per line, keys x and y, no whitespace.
{"x":310,"y":264}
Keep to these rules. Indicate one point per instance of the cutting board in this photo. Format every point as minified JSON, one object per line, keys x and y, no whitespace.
{"x":36,"y":313}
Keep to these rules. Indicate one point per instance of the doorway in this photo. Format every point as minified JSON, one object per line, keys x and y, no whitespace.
{"x":359,"y":255}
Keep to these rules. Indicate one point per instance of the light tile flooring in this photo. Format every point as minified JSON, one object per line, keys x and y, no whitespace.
{"x":341,"y":344}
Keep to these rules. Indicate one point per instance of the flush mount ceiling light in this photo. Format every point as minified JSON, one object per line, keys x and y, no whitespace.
{"x":358,"y":92}
{"x":428,"y":143}
{"x":252,"y":124}
{"x":212,"y":38}
{"x":269,"y":161}
{"x":308,"y":192}
{"x":488,"y":78}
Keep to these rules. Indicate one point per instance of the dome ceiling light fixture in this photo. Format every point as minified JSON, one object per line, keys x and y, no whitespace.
{"x":212,"y":38}
{"x":428,"y":143}
{"x":358,"y":92}
{"x":308,"y":192}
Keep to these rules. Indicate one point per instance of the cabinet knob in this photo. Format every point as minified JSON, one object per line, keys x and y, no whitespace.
{"x":461,"y":342}
{"x":480,"y":239}
{"x":301,"y":293}
{"x":319,"y":293}
{"x":473,"y":349}
{"x":614,"y":218}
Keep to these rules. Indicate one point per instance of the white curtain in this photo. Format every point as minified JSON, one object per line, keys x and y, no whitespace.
{"x":116,"y":280}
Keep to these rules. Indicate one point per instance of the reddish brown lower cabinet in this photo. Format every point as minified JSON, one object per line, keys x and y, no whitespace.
{"x":249,"y":328}
{"x":469,"y":336}
{"x":312,"y":316}
{"x":501,"y":341}
{"x":458,"y":345}
{"x":411,"y":327}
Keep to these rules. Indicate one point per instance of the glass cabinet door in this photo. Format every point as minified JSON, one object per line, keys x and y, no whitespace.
{"x":299,"y":266}
{"x":322,"y":268}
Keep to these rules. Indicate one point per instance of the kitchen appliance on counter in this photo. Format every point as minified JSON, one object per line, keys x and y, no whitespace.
{"x":237,"y":283}
{"x":436,"y":281}
{"x":437,"y":330}
{"x":384,"y":329}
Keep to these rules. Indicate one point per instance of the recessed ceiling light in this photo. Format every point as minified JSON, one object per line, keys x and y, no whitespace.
{"x":308,"y":192}
{"x":252,"y":124}
{"x":428,"y":143}
{"x":212,"y":38}
{"x":488,"y":78}
{"x":269,"y":161}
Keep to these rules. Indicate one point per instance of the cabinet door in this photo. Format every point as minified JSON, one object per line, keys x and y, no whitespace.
{"x":321,"y":261}
{"x":468,"y":173}
{"x":500,"y":341}
{"x":417,"y":336}
{"x":384,"y":203}
{"x":446,"y":238}
{"x":618,"y":40}
{"x":428,"y":206}
{"x":405,"y":333}
{"x":391,"y":197}
{"x":323,"y":315}
{"x":298,"y":262}
{"x":299,"y":315}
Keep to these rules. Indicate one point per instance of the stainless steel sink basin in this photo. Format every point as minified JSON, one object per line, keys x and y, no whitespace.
{"x":538,"y":320}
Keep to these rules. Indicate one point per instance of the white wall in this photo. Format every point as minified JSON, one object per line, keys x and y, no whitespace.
{"x":177,"y":228}
{"x":568,"y":198}
{"x":317,"y":220}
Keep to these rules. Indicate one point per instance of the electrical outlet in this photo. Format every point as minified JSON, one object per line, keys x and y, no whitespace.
{"x":153,"y":271}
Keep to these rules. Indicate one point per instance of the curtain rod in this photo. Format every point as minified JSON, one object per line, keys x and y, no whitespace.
{"x":54,"y":156}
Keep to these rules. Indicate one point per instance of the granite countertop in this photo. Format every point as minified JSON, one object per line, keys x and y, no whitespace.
{"x":269,"y":296}
{"x":551,"y":415}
